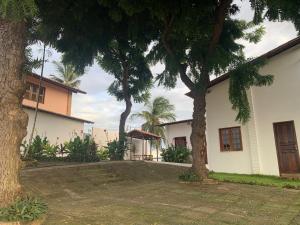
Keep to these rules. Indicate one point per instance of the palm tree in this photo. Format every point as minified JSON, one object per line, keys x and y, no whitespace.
{"x":67,"y":75}
{"x":158,"y":111}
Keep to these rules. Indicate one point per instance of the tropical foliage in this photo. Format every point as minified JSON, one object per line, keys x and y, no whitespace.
{"x":115,"y":151}
{"x":66,"y":74}
{"x":178,"y":154}
{"x":24,"y":209}
{"x":76,"y":149}
{"x":158,"y":111}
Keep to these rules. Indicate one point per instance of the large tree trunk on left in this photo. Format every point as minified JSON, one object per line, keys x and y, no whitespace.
{"x":13,"y":120}
{"x":122,"y":135}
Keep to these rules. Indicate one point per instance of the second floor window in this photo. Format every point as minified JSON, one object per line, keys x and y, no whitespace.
{"x":32,"y":93}
{"x":231,"y":139}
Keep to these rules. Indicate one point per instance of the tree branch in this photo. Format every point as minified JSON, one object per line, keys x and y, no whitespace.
{"x":165,"y":40}
{"x":221,"y":12}
{"x":220,"y":15}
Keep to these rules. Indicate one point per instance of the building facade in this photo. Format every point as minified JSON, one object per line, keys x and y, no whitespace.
{"x":268,"y":142}
{"x":54,"y":119}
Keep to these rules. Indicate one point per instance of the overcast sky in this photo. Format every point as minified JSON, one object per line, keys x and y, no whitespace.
{"x":97,"y":105}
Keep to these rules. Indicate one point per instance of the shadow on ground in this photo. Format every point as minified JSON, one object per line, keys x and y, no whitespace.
{"x":136,"y":193}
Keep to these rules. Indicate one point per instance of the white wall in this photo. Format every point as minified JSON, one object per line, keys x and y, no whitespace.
{"x":141,"y":147}
{"x":220,"y":115}
{"x":56,"y":128}
{"x":178,"y":130}
{"x":276,"y":103}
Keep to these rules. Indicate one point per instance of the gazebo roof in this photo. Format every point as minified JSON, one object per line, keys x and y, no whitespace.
{"x":140,"y":134}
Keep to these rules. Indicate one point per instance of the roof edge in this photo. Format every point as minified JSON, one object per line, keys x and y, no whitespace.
{"x":176,"y":122}
{"x":268,"y":55}
{"x":75,"y":90}
{"x":58,"y":114}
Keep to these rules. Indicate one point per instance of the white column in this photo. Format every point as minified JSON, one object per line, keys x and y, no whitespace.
{"x":252,"y":136}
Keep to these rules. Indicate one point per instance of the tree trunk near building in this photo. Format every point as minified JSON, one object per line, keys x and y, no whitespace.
{"x":13,"y":120}
{"x":122,"y":135}
{"x":198,"y":136}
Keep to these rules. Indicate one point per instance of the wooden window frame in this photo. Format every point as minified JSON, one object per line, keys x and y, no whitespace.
{"x":30,"y":94}
{"x":182,"y":138}
{"x":230,"y":139}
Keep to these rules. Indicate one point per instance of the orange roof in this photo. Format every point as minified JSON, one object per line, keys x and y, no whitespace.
{"x":75,"y":90}
{"x":140,"y":134}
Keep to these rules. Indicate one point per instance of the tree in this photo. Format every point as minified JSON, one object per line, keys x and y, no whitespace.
{"x":158,"y":111}
{"x":14,"y":15}
{"x":118,"y":42}
{"x":127,"y":63}
{"x":67,"y":75}
{"x":198,"y":40}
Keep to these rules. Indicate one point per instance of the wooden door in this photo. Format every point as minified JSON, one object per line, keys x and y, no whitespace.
{"x":287,"y":147}
{"x":180,"y":142}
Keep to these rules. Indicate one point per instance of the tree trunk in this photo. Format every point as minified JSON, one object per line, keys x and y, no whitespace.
{"x":13,"y":120}
{"x":124,"y":116}
{"x":198,"y":136}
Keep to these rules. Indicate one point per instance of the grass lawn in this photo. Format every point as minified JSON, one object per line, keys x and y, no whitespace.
{"x":138,"y":193}
{"x":256,"y":179}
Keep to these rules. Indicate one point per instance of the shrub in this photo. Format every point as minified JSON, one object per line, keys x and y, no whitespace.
{"x":189,"y":176}
{"x":116,"y":152}
{"x":82,"y":150}
{"x":103,"y":153}
{"x":176,"y":154}
{"x":26,"y":209}
{"x":40,"y":149}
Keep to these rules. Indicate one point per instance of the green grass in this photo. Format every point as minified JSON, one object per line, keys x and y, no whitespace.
{"x":256,"y":180}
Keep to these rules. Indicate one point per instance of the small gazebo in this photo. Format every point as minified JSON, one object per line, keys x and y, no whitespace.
{"x":144,"y":137}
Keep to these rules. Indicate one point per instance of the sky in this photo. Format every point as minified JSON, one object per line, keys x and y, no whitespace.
{"x":98,"y":106}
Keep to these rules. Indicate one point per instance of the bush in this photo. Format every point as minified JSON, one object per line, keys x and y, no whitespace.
{"x":26,"y":209}
{"x":189,"y":176}
{"x":103,"y":154}
{"x":116,"y":152}
{"x":176,"y":154}
{"x":40,"y":149}
{"x":82,"y":150}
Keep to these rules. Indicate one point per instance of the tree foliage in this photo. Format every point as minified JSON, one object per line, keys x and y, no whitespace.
{"x":66,"y":74}
{"x":158,"y":111}
{"x":17,"y":9}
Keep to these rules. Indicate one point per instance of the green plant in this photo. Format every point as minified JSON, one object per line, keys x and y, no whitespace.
{"x":35,"y":149}
{"x":189,"y":176}
{"x":40,"y":149}
{"x":103,"y":153}
{"x":256,"y":179}
{"x":82,"y":150}
{"x":50,"y":151}
{"x":24,"y":209}
{"x":176,"y":154}
{"x":116,"y":150}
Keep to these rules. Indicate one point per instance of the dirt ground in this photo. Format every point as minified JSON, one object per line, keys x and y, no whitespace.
{"x":136,"y":193}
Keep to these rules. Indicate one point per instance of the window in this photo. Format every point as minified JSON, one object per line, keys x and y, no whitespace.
{"x":231,"y":139}
{"x":180,"y":141}
{"x":32,"y":93}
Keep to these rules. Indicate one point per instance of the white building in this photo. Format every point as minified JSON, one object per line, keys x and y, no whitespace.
{"x":267,"y":144}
